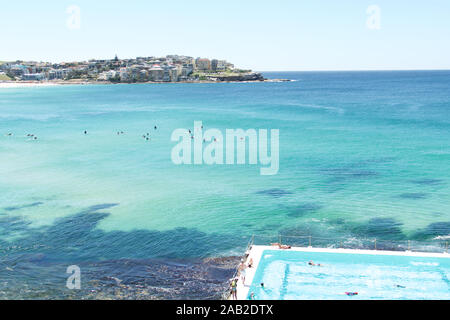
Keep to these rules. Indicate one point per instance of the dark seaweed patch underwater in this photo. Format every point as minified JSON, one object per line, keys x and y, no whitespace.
{"x":140,"y":264}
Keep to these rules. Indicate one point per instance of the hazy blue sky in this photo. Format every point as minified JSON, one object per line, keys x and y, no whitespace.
{"x":257,"y":34}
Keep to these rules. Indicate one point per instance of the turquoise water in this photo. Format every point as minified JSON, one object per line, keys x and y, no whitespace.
{"x":362,"y":154}
{"x":288,"y":276}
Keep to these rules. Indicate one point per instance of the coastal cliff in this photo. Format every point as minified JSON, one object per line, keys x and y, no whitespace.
{"x":252,"y":76}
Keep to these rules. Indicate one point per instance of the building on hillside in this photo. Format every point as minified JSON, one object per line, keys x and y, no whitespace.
{"x":156,"y":73}
{"x":54,"y":74}
{"x":107,"y":75}
{"x":214,"y":63}
{"x":203,"y":64}
{"x":124,"y":74}
{"x":170,"y":73}
{"x":187,"y":70}
{"x":221,"y":65}
{"x":18,"y":70}
{"x":34,"y":76}
{"x":143,"y":75}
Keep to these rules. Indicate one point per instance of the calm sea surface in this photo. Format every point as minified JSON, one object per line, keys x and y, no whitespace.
{"x":362,"y":155}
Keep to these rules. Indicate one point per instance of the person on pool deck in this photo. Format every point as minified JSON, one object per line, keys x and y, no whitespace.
{"x":241,"y":270}
{"x":234,"y":288}
{"x":242,"y":274}
{"x":281,"y":246}
{"x":250,"y":263}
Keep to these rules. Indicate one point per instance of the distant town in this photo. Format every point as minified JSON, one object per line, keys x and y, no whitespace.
{"x":172,"y":68}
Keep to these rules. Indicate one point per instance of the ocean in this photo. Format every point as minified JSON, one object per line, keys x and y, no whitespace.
{"x":362,"y":155}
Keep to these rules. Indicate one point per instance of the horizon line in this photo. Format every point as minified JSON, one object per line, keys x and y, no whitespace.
{"x":350,"y":70}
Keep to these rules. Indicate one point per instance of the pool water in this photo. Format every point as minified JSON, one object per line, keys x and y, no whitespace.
{"x":287,"y":276}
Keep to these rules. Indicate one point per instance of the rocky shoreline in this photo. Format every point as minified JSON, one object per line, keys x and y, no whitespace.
{"x":124,"y":279}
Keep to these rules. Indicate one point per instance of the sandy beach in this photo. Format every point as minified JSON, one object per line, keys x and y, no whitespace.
{"x":4,"y":85}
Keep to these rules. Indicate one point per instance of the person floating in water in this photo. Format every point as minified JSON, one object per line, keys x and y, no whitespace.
{"x":156,"y":128}
{"x":85,"y":132}
{"x":252,"y":296}
{"x":311,"y":263}
{"x":350,"y":294}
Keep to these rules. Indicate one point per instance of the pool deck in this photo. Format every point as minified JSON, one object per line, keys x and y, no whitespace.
{"x":256,"y":252}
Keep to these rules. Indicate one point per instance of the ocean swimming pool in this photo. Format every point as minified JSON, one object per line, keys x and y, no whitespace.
{"x":288,"y":276}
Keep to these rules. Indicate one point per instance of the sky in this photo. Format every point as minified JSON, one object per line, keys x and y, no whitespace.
{"x":261,"y":35}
